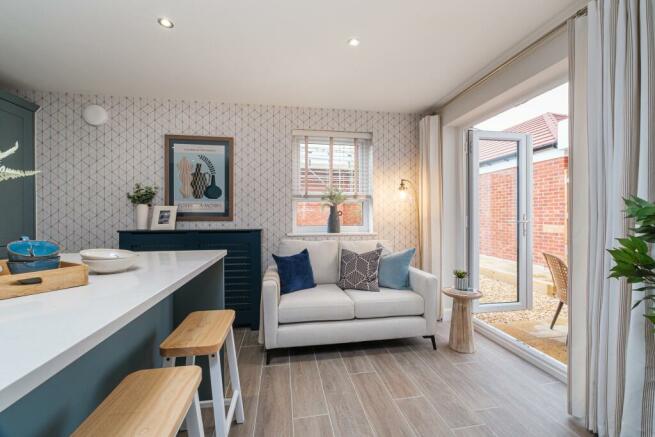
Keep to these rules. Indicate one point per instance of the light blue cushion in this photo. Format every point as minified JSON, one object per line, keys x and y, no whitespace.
{"x":394,"y":269}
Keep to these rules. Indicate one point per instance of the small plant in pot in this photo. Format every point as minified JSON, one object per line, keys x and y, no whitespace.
{"x":461,"y":279}
{"x":142,"y":196}
{"x":333,"y":197}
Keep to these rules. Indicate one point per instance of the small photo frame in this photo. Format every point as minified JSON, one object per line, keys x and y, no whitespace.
{"x":163,"y":217}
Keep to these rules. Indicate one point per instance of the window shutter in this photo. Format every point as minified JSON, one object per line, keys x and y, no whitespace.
{"x":341,"y":161}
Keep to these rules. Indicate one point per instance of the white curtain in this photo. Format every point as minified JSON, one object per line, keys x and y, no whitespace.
{"x":620,"y":380}
{"x":579,"y":216}
{"x":429,"y":193}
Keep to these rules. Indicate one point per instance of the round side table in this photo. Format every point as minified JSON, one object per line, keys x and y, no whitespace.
{"x":461,"y":323}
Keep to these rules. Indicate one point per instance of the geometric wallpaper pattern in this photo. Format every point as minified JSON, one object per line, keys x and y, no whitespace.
{"x":86,"y":171}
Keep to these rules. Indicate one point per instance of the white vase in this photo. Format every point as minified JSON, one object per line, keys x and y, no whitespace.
{"x":142,"y":216}
{"x":461,"y":283}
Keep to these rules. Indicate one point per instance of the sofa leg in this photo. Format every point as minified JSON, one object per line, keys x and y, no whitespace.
{"x":434,"y":341}
{"x":268,"y":357}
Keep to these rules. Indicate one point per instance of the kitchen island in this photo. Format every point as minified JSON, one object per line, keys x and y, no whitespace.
{"x":64,"y":351}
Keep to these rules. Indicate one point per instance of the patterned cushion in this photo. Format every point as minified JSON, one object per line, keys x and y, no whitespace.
{"x":360,"y":271}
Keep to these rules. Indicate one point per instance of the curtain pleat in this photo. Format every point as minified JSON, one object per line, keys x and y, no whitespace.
{"x":579,"y":216}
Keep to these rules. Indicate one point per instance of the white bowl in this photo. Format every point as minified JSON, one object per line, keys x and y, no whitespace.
{"x":107,"y":254}
{"x":110,"y":265}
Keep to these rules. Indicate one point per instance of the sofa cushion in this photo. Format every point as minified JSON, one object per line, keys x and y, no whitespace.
{"x":359,"y":271}
{"x":295,"y":272}
{"x":387,"y":302}
{"x":323,"y":302}
{"x":323,"y":255}
{"x":394,"y":269}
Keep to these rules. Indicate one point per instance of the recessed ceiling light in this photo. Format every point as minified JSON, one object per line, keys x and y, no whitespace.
{"x":353,"y":42}
{"x":165,"y":22}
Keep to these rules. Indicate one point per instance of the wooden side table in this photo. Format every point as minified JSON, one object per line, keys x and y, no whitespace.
{"x":461,"y":323}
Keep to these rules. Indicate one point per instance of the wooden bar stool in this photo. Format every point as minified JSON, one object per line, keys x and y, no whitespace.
{"x":147,"y":403}
{"x":203,"y":333}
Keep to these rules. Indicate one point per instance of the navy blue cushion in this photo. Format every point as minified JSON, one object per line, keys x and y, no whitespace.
{"x":394,"y":269}
{"x":295,"y":272}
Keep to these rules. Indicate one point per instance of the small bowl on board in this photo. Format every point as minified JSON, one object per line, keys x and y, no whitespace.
{"x":18,"y":267}
{"x":26,"y":250}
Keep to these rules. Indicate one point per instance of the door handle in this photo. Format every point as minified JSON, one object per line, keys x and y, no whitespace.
{"x":524,"y":222}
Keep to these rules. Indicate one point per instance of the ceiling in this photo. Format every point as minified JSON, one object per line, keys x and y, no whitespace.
{"x":285,"y":52}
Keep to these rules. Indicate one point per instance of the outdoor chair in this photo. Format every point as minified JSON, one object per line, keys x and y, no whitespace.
{"x":560,"y":274}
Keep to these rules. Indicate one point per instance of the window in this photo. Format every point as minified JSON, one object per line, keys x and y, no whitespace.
{"x":331,"y":159}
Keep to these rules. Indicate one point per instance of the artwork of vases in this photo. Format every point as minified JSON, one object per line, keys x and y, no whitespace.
{"x":184,"y":170}
{"x":199,"y":182}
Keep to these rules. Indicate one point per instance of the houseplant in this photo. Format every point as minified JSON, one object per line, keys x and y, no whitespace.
{"x":333,"y":197}
{"x":142,"y":196}
{"x":633,"y":259}
{"x":10,"y":173}
{"x":461,"y":280}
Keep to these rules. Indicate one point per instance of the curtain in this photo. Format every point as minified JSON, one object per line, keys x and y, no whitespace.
{"x":429,"y":202}
{"x":578,"y":217}
{"x":620,"y":380}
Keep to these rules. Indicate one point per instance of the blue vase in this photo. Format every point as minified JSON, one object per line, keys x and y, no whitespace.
{"x":213,"y":191}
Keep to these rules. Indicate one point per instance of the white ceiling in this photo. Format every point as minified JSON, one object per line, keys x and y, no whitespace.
{"x":283,"y":52}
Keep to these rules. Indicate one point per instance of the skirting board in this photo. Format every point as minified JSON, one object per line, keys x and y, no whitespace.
{"x":537,"y":358}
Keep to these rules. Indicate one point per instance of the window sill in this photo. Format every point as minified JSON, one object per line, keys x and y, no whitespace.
{"x":327,"y":234}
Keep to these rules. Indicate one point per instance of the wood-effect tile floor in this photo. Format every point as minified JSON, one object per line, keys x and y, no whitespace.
{"x":396,"y":388}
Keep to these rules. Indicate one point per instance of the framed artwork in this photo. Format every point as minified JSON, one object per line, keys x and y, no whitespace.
{"x":199,"y":177}
{"x":163,"y":217}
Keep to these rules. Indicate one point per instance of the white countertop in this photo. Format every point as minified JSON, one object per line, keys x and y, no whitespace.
{"x":43,"y":333}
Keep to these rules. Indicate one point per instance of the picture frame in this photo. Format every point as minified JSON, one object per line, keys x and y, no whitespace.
{"x":163,"y":217}
{"x":199,"y":177}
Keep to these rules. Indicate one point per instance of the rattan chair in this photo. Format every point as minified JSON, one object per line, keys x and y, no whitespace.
{"x":560,"y":274}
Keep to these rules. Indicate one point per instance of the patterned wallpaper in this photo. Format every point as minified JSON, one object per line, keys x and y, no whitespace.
{"x":86,"y":170}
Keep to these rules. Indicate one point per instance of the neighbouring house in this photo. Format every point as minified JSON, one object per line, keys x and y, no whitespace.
{"x":497,"y":193}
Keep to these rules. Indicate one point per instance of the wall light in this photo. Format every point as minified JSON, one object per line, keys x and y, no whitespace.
{"x":353,"y":42}
{"x":403,"y":188}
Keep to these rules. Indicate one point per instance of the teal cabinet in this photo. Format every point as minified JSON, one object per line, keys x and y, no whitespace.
{"x":18,"y":196}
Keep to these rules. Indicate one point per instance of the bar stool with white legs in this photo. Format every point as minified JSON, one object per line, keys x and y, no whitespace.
{"x":204,"y":333}
{"x":149,"y":403}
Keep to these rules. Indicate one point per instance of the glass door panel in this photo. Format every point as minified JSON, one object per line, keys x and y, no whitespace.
{"x":499,"y":236}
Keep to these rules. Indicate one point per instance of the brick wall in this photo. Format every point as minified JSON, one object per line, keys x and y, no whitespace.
{"x":497,"y":197}
{"x":315,"y":214}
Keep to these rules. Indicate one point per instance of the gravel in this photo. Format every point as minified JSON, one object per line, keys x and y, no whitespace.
{"x":543,"y":306}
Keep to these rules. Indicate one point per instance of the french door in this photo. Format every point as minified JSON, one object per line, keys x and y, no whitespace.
{"x":499,"y":219}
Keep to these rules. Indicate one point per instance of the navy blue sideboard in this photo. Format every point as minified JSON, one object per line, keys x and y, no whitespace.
{"x":243,"y":266}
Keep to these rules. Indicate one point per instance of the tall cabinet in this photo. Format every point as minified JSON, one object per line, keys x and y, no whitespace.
{"x":17,"y":196}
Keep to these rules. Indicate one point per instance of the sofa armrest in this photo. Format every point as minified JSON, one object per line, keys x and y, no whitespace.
{"x":427,"y":285}
{"x":270,"y":302}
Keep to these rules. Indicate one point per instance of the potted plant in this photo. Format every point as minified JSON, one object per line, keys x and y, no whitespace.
{"x":10,"y":173}
{"x":461,"y":280}
{"x":633,"y":259}
{"x":333,"y":197}
{"x":142,"y":197}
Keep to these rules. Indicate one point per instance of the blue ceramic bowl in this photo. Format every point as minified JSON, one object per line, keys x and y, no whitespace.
{"x":31,"y":250}
{"x":17,"y":267}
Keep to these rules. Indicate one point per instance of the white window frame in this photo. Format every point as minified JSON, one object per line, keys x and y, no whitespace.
{"x":367,"y":200}
{"x":367,"y":219}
